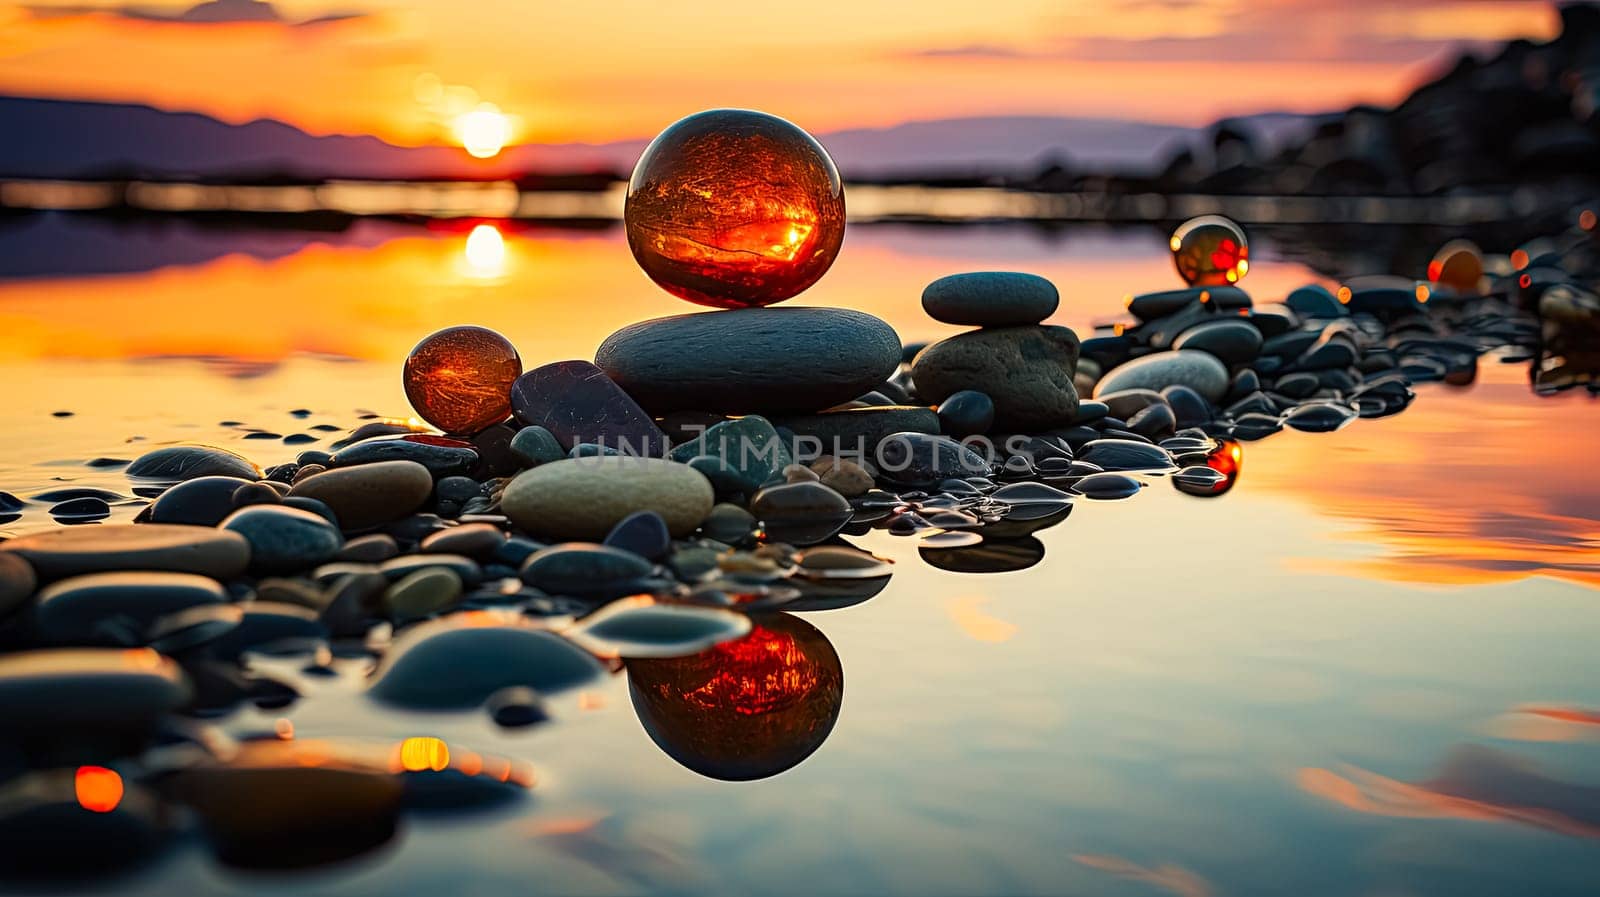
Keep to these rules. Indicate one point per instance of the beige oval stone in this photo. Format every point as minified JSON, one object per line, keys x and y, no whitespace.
{"x":60,"y":553}
{"x":368,"y":495}
{"x":582,"y":498}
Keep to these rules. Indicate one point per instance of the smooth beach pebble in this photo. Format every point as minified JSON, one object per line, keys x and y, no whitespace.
{"x":104,"y":688}
{"x":751,"y":360}
{"x":579,"y":404}
{"x":584,"y":570}
{"x":1232,"y":340}
{"x":185,"y":462}
{"x":422,"y":592}
{"x":1107,"y":486}
{"x":202,"y":501}
{"x":990,"y":299}
{"x":367,"y":495}
{"x":640,"y":627}
{"x":116,"y":608}
{"x":644,"y":533}
{"x":966,"y":412}
{"x":442,"y":456}
{"x":371,"y":549}
{"x":842,"y":475}
{"x":749,"y":445}
{"x":150,"y":546}
{"x":454,"y":664}
{"x":1026,"y":371}
{"x":583,"y":498}
{"x":534,"y":445}
{"x":1124,"y":454}
{"x":474,"y":540}
{"x":1200,"y":371}
{"x":283,"y":540}
{"x":17,"y":581}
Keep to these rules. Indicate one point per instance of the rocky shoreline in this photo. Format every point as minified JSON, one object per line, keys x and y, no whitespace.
{"x":702,"y":473}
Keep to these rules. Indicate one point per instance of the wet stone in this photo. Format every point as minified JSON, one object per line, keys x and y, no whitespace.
{"x":446,"y":665}
{"x":842,"y":475}
{"x":1122,"y":454}
{"x":283,"y":540}
{"x":1026,"y":371}
{"x":794,"y":360}
{"x":966,"y":412}
{"x":1232,"y":340}
{"x":1315,"y":301}
{"x":80,"y":510}
{"x":584,"y":498}
{"x":749,"y":445}
{"x":1319,"y":417}
{"x":1107,"y":486}
{"x":1198,"y":480}
{"x":106,"y":689}
{"x":474,"y":540}
{"x":1253,"y":426}
{"x":516,"y":707}
{"x":442,"y":456}
{"x":1154,"y":422}
{"x":1189,"y":408}
{"x":917,"y":459}
{"x":422,"y":592}
{"x":182,"y":549}
{"x":729,"y":524}
{"x":186,"y":462}
{"x":1297,"y":386}
{"x":17,"y":581}
{"x":990,"y":299}
{"x":535,"y":445}
{"x":643,"y":533}
{"x":370,"y":494}
{"x":635,"y":628}
{"x":192,"y":627}
{"x":857,"y":432}
{"x":116,"y":608}
{"x":989,"y":556}
{"x":801,"y":513}
{"x":372,"y":549}
{"x":1200,"y":371}
{"x":464,"y":567}
{"x":584,"y":570}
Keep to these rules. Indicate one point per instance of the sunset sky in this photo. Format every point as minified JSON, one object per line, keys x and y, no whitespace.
{"x":407,"y":69}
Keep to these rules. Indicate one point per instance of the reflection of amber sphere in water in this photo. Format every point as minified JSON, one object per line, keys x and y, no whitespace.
{"x":745,"y":709}
{"x":734,"y":209}
{"x":459,"y":379}
{"x":1210,"y":251}
{"x":1457,"y":265}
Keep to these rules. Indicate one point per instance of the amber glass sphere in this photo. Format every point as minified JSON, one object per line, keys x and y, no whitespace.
{"x":734,"y":209}
{"x":745,"y":709}
{"x":459,"y":379}
{"x":1210,"y":251}
{"x":1457,"y":265}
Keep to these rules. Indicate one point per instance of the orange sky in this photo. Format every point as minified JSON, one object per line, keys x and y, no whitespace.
{"x":625,"y":68}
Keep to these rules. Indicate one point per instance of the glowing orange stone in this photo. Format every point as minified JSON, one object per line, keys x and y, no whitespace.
{"x":735,"y":209}
{"x":459,"y":379}
{"x":745,"y":709}
{"x":1210,"y":251}
{"x":98,"y":789}
{"x":1457,"y":265}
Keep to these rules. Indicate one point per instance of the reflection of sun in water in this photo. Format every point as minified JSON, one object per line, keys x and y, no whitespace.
{"x":485,"y":251}
{"x":484,"y":131}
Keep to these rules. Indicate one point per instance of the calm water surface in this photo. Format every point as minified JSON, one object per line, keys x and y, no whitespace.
{"x":1370,"y":668}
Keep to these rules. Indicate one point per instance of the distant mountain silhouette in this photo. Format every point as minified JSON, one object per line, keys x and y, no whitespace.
{"x":74,"y":139}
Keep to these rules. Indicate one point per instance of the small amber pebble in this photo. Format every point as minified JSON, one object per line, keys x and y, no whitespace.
{"x":1210,"y":251}
{"x":459,"y":379}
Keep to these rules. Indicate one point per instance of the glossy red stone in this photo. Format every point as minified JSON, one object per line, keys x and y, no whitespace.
{"x":459,"y":379}
{"x":735,"y":209}
{"x":745,"y":709}
{"x":1210,"y":251}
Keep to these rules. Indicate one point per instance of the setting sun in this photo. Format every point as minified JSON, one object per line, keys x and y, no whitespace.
{"x":484,"y":131}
